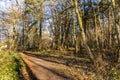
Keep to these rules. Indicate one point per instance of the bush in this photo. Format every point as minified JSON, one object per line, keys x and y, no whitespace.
{"x":113,"y":75}
{"x":10,"y":65}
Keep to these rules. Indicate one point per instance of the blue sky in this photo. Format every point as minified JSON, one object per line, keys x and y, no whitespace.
{"x":2,"y":5}
{"x":6,"y":4}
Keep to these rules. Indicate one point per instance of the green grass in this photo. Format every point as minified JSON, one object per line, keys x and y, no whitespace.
{"x":10,"y":65}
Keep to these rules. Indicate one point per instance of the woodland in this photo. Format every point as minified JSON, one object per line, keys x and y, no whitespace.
{"x":83,"y":35}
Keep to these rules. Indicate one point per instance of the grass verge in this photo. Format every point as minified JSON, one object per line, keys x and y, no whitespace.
{"x":10,"y":66}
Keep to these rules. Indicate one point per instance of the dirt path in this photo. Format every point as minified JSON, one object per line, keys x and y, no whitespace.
{"x":44,"y":70}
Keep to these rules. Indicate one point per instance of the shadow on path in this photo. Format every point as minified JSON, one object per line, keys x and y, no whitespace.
{"x":30,"y":73}
{"x":41,"y":65}
{"x":54,"y":71}
{"x":67,"y":61}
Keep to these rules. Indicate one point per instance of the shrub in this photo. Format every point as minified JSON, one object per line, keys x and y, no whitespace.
{"x":10,"y":65}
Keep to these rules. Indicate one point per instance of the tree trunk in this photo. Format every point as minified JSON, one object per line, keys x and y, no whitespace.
{"x":82,"y":32}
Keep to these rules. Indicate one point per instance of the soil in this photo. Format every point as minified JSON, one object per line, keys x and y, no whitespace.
{"x":42,"y":69}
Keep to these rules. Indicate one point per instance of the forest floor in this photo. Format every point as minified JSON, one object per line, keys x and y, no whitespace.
{"x":55,"y":65}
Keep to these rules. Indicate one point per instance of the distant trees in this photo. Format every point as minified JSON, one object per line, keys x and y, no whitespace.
{"x":32,"y":19}
{"x":87,"y":26}
{"x":92,"y":25}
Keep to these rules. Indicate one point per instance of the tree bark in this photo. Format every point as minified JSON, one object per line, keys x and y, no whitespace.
{"x":82,"y":32}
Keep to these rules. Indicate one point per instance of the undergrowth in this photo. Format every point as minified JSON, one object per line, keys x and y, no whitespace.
{"x":10,"y":66}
